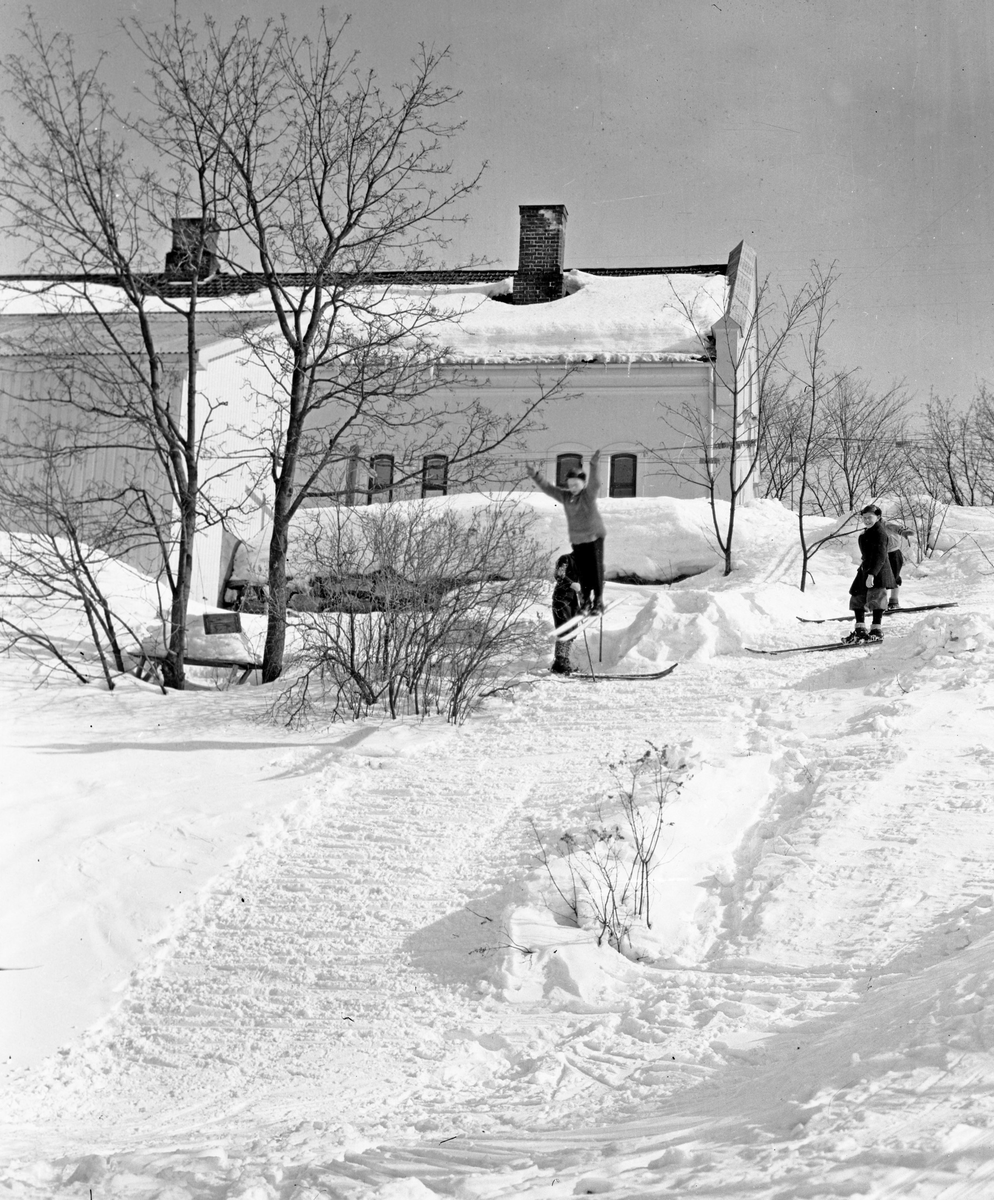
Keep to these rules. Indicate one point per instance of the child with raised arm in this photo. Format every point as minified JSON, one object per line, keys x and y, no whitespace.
{"x":586,"y":529}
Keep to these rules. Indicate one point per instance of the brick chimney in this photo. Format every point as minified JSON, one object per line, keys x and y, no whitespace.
{"x":193,"y":238}
{"x":541,"y":247}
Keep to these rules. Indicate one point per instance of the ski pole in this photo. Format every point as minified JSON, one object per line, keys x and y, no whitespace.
{"x":590,"y":661}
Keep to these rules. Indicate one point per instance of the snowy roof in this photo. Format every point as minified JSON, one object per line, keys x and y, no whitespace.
{"x":606,"y":318}
{"x":46,"y":334}
{"x":612,"y":318}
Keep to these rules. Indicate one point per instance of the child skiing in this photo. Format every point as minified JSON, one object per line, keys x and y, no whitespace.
{"x":895,"y":554}
{"x":586,"y":529}
{"x":565,"y":604}
{"x":873,"y":580}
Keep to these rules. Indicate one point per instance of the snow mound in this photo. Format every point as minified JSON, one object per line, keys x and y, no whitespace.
{"x":49,"y":603}
{"x":945,"y":651}
{"x":655,"y":538}
{"x":560,"y":933}
{"x":246,"y":646}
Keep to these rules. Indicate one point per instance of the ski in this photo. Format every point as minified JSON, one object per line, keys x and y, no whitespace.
{"x":888,"y":612}
{"x":821,"y":646}
{"x":576,"y":625}
{"x":538,"y":676}
{"x":608,"y":678}
{"x":559,"y":630}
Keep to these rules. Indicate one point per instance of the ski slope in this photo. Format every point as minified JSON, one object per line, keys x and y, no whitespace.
{"x":268,"y":965}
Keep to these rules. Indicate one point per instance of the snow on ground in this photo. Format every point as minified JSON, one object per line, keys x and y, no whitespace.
{"x":326,"y":964}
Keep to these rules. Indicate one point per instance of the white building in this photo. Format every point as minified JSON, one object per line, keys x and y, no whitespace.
{"x":663,"y":360}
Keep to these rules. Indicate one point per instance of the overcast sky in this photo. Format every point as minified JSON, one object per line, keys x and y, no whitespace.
{"x":830,"y":130}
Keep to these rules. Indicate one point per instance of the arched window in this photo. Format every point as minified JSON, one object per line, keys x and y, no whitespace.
{"x":380,"y":478}
{"x":623,"y":475}
{"x":435,"y":475}
{"x":564,"y":463}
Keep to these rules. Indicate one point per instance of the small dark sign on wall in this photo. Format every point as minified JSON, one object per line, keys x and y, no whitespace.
{"x":227,"y":622}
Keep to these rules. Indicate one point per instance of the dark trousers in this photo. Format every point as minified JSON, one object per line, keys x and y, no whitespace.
{"x":588,"y":557}
{"x":562,"y":611}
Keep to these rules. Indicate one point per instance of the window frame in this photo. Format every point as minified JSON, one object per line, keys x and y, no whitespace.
{"x":566,"y":462}
{"x":613,"y":485}
{"x":434,"y":489}
{"x":375,"y":490}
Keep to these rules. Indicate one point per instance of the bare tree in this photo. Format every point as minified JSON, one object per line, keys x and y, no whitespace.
{"x":747,"y":347}
{"x":922,"y":496}
{"x":113,"y":354}
{"x":324,"y":183}
{"x":983,"y":428}
{"x":819,"y":390}
{"x":960,"y":447}
{"x":785,"y":433}
{"x":863,"y":431}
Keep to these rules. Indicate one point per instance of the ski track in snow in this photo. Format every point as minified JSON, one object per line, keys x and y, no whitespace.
{"x":329,"y":992}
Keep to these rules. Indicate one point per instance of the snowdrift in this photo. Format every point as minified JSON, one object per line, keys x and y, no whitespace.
{"x":176,"y":873}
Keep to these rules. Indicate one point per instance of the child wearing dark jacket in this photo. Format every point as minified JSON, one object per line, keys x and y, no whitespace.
{"x":565,"y":604}
{"x":895,"y":536}
{"x":873,"y":580}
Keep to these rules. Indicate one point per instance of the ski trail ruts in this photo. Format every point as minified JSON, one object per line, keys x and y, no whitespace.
{"x":863,"y":853}
{"x":305,"y":973}
{"x":836,"y":773}
{"x":295,"y":975}
{"x":310,"y":998}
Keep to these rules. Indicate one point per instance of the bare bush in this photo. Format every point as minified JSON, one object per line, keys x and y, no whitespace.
{"x":660,"y":772}
{"x":602,"y":875}
{"x":54,"y":548}
{"x":414,"y":607}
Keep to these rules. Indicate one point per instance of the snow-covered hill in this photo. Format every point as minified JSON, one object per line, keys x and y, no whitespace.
{"x":240,"y":962}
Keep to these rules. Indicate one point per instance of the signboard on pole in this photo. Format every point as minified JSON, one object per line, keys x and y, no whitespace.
{"x":225,"y":622}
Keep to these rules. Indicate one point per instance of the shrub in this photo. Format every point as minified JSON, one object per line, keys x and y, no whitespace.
{"x":601,"y":876}
{"x":445,"y":602}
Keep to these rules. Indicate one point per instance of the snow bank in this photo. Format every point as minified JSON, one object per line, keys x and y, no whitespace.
{"x":706,"y":613}
{"x":246,"y":646}
{"x":557,"y":948}
{"x":831,"y":955}
{"x":111,"y":831}
{"x":135,"y":601}
{"x":944,"y":651}
{"x":656,"y":538}
{"x":135,"y":597}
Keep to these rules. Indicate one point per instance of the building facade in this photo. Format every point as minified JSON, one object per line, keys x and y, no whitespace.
{"x":657,"y":368}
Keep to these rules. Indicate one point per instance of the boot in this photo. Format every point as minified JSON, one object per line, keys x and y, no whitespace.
{"x":562,"y":664}
{"x":876,"y":634}
{"x":859,"y":634}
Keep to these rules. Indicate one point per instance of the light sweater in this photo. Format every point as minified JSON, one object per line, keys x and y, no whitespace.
{"x":582,"y":518}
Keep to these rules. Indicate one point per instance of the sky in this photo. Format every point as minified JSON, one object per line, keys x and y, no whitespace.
{"x":830,"y":131}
